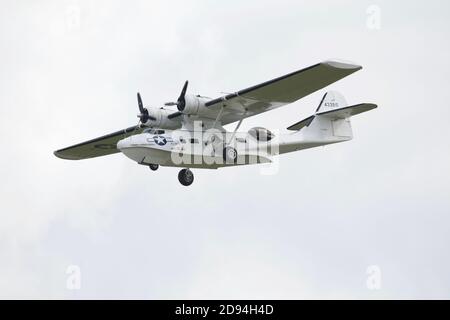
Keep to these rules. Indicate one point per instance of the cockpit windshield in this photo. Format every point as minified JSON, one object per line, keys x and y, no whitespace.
{"x":154,"y":131}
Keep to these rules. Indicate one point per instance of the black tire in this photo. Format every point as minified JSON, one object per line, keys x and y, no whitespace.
{"x":230,"y":155}
{"x":153,"y":166}
{"x":186,"y":177}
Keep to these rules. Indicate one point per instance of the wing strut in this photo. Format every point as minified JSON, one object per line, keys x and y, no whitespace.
{"x":237,"y":127}
{"x":218,"y":116}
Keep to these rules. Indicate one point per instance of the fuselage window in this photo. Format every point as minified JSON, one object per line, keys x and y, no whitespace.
{"x":261,"y":134}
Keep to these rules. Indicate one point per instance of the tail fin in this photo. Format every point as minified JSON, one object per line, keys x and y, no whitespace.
{"x":332,"y":117}
{"x":330,"y":101}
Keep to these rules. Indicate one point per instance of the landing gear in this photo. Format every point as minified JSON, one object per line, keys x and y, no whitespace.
{"x":229,"y":155}
{"x":153,"y":167}
{"x":186,"y":177}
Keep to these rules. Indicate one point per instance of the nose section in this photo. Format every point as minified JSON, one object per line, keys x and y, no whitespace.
{"x":122,"y":144}
{"x":132,"y":148}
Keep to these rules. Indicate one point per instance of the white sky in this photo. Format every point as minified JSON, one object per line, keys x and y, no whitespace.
{"x":70,"y":71}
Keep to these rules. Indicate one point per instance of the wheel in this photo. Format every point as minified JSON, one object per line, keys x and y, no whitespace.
{"x":186,"y":177}
{"x":153,"y":166}
{"x":229,"y":154}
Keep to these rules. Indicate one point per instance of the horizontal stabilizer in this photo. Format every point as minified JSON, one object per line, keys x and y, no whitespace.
{"x":299,"y":125}
{"x":333,"y":107}
{"x":349,"y":111}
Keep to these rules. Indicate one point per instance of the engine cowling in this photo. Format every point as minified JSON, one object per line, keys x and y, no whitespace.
{"x":162,"y":120}
{"x":194,"y":105}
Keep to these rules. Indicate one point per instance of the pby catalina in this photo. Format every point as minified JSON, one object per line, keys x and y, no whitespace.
{"x":193,"y":136}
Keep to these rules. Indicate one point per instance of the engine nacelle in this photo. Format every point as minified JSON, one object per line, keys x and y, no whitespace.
{"x":162,"y":120}
{"x":195,"y":105}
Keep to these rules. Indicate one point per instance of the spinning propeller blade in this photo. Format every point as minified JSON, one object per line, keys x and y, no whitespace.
{"x":143,"y":116}
{"x":181,"y":102}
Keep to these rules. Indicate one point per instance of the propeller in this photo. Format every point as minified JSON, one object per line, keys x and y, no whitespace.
{"x":144,"y":115}
{"x":181,"y":101}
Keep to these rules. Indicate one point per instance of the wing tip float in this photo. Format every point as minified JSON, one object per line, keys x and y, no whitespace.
{"x":340,"y":64}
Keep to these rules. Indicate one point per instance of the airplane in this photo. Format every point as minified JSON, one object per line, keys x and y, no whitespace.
{"x":193,"y":136}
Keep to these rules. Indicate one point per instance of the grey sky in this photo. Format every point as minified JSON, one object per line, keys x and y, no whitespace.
{"x":70,"y":72}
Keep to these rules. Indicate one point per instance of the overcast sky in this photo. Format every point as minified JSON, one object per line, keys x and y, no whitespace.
{"x":70,"y":71}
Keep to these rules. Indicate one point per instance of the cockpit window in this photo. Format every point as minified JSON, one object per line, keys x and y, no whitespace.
{"x":261,"y":134}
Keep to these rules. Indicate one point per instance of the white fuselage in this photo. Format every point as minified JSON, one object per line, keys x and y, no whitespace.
{"x":204,"y":149}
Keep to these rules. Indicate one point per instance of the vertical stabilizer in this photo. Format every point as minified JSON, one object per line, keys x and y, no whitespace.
{"x":330,"y":101}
